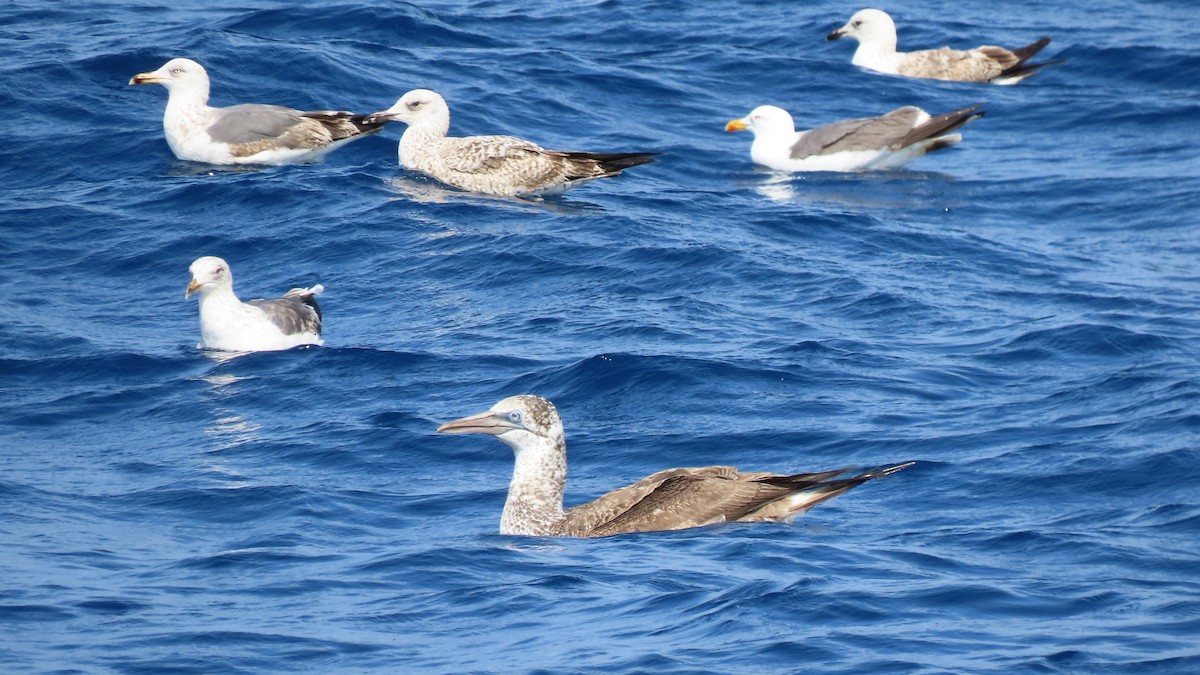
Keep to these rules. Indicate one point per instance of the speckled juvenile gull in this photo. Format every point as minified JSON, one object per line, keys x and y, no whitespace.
{"x":876,"y":35}
{"x":497,"y":165}
{"x":668,"y":500}
{"x":883,"y":142}
{"x":250,"y":133}
{"x":228,"y":324}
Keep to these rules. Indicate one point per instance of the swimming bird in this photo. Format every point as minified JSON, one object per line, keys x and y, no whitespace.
{"x":876,"y":35}
{"x":496,"y":165}
{"x":228,"y":324}
{"x":250,"y":133}
{"x":883,"y":142}
{"x":673,"y":499}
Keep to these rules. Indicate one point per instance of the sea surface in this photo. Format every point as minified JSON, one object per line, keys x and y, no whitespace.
{"x":1019,"y":315}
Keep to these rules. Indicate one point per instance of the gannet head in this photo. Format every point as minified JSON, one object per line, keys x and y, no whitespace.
{"x":520,"y":421}
{"x":868,"y":26}
{"x":182,"y":76}
{"x":417,"y":107}
{"x":208,"y":274}
{"x":765,"y":120}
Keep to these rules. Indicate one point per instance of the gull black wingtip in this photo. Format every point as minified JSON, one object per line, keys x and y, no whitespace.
{"x":381,"y":117}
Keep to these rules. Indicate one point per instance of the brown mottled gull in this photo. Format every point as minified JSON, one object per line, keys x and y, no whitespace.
{"x":674,"y":499}
{"x":228,"y":324}
{"x":883,"y":142}
{"x":250,"y":133}
{"x":876,"y":35}
{"x":496,"y":165}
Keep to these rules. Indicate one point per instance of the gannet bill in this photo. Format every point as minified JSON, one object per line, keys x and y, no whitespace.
{"x":673,"y":499}
{"x":228,"y":324}
{"x":885,"y":142}
{"x":495,"y":165}
{"x":250,"y":133}
{"x":876,"y":35}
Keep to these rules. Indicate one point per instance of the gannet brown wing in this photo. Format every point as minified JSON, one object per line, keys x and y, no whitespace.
{"x":582,"y":520}
{"x":684,"y":500}
{"x":682,"y":497}
{"x":810,"y":490}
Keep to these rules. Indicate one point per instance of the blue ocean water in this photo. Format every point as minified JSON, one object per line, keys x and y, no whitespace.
{"x":1020,"y":315}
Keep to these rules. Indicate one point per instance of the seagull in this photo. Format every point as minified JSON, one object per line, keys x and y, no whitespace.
{"x":876,"y":35}
{"x":883,"y":142}
{"x":495,"y":165}
{"x":251,"y":133}
{"x":228,"y":324}
{"x":674,"y":499}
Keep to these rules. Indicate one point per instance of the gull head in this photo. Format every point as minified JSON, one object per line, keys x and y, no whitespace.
{"x":766,"y":120}
{"x":518,"y":421}
{"x":415,"y":107}
{"x":176,"y":75}
{"x":208,"y":274}
{"x":868,"y":26}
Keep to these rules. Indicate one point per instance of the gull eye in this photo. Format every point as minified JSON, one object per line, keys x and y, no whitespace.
{"x":177,"y":71}
{"x":856,"y":24}
{"x":219,"y":270}
{"x":413,"y":105}
{"x":514,"y":417}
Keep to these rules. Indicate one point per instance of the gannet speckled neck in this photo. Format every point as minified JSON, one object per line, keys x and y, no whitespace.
{"x":228,"y":324}
{"x":876,"y":35}
{"x":668,"y":500}
{"x":496,"y":165}
{"x":250,"y":133}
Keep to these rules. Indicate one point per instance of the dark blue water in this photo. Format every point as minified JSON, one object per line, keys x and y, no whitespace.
{"x":1021,"y":315}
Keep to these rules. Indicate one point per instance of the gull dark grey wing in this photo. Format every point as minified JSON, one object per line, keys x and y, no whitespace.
{"x":342,"y":124}
{"x":866,"y":133}
{"x":940,"y":125}
{"x":252,"y":122}
{"x":296,"y":312}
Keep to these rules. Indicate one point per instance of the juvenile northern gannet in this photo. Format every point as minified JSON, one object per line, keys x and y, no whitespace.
{"x":250,"y":133}
{"x":876,"y":35}
{"x":496,"y":165}
{"x":668,"y":500}
{"x":228,"y":324}
{"x":884,"y":142}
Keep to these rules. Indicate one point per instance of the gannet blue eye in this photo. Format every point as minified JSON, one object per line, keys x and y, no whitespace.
{"x":515,"y":417}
